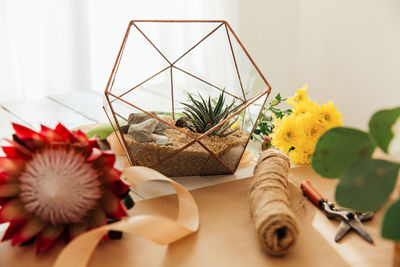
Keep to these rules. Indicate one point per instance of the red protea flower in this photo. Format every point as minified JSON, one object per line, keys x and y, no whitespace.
{"x":56,"y":183}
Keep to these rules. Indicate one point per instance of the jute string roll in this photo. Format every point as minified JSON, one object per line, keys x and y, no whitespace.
{"x":275,"y":223}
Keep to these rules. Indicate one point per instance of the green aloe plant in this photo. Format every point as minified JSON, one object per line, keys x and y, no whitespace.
{"x":365,"y":183}
{"x":204,"y":115}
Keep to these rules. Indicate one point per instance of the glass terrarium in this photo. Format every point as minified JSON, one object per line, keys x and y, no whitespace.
{"x":184,"y":96}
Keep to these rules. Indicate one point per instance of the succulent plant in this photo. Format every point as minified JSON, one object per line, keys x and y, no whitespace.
{"x":204,"y":115}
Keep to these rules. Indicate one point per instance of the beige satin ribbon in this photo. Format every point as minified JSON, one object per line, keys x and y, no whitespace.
{"x":155,"y":228}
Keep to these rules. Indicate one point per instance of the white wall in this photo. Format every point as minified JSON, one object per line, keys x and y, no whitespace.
{"x":347,"y":51}
{"x":43,"y":48}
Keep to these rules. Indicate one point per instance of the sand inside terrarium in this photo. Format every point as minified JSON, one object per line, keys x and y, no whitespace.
{"x":194,"y":160}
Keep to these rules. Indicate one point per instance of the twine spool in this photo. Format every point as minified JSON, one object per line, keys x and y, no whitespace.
{"x":276,"y":226}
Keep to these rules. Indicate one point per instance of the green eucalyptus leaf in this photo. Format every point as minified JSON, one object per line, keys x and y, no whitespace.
{"x":338,"y":148}
{"x":367,"y":184}
{"x":380,"y":126}
{"x":391,"y":222}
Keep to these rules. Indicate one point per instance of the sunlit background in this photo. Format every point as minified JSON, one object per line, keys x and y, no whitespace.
{"x":346,"y":51}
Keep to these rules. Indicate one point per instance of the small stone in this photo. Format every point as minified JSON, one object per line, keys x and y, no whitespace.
{"x":141,"y":136}
{"x":124,"y":128}
{"x":183,"y":122}
{"x":148,"y":126}
{"x":161,"y":127}
{"x":161,"y":140}
{"x":135,"y":118}
{"x":142,"y":132}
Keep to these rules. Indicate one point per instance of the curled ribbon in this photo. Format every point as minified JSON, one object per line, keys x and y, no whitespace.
{"x":158,"y":229}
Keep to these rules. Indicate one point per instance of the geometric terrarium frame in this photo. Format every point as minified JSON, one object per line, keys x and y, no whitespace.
{"x":171,"y":78}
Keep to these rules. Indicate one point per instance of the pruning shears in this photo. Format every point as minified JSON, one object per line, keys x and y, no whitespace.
{"x":349,"y":219}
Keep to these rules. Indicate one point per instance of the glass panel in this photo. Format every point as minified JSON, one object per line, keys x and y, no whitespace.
{"x":173,"y":39}
{"x":138,"y":62}
{"x":253,"y":83}
{"x":212,"y":61}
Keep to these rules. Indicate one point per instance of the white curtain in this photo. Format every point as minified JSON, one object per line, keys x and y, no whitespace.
{"x":43,"y":48}
{"x":51,"y":47}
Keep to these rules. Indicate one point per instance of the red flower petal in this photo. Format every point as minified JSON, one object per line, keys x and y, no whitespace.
{"x":113,"y":181}
{"x":21,"y":149}
{"x":31,"y":138}
{"x":101,"y":158}
{"x":47,"y":236}
{"x":11,"y":230}
{"x":3,"y":177}
{"x":93,"y":144}
{"x":11,"y":166}
{"x":23,"y":132}
{"x":96,"y":154}
{"x":109,"y":158}
{"x":13,"y":211}
{"x":50,"y":134}
{"x":14,"y":153}
{"x":113,"y":206}
{"x":9,"y":190}
{"x":6,"y":178}
{"x":118,"y":187}
{"x":80,"y":136}
{"x":29,"y":230}
{"x":63,"y":132}
{"x":3,"y":200}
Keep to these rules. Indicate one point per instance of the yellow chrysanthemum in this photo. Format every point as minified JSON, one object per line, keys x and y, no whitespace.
{"x":300,"y":97}
{"x":291,"y":101}
{"x":313,"y":128}
{"x":300,"y":131}
{"x":302,"y":154}
{"x":301,"y":94}
{"x":287,"y":134}
{"x":305,"y":107}
{"x":329,"y":115}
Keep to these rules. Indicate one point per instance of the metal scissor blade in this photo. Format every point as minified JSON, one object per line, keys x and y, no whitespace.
{"x":356,"y":224}
{"x":344,"y":228}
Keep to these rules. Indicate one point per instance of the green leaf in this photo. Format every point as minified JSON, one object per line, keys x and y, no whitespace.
{"x":391,"y":222}
{"x":102,"y":131}
{"x":367,"y":184}
{"x":278,"y":97}
{"x":380,"y":126}
{"x":338,"y":148}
